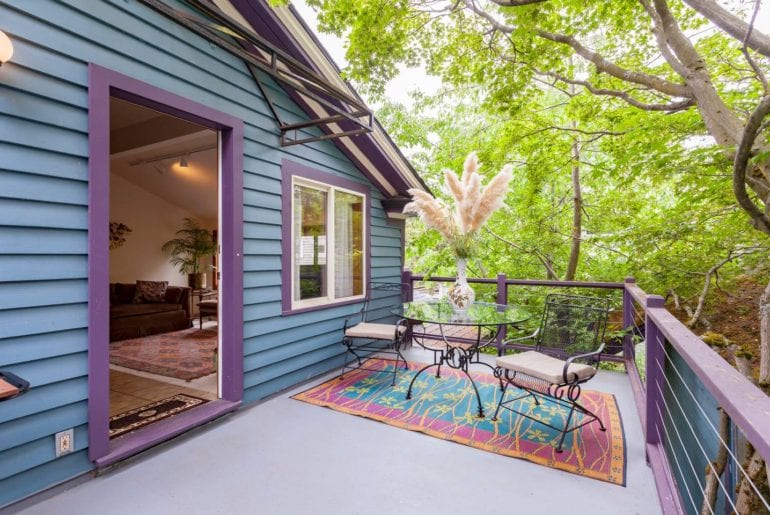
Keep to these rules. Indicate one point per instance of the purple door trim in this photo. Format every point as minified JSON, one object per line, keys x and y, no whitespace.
{"x":102,"y":84}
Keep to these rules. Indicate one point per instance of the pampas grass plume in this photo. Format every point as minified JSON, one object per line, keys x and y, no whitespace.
{"x":467,"y":207}
{"x":472,"y":205}
{"x":432,"y":212}
{"x":492,"y":198}
{"x":471,"y":167}
{"x":454,"y":185}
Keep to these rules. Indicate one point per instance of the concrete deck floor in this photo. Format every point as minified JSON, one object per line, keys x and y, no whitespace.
{"x":287,"y":457}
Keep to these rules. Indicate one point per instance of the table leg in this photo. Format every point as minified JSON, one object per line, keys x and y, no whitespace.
{"x":423,"y":369}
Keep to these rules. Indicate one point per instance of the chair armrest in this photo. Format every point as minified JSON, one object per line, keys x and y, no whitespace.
{"x":571,"y":359}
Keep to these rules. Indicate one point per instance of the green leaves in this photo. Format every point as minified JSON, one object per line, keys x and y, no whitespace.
{"x":657,"y":198}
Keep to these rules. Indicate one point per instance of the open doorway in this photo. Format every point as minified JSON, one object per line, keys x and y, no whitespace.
{"x":164,"y":215}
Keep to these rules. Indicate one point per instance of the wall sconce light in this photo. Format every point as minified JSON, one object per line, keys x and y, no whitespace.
{"x":6,"y":48}
{"x":183,"y":161}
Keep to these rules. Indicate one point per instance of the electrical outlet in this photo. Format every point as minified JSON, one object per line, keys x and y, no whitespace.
{"x":65,"y":442}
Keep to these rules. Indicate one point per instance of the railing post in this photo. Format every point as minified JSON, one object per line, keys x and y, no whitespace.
{"x":502,"y":298}
{"x":407,"y":285}
{"x":655,"y":364}
{"x":628,"y":317}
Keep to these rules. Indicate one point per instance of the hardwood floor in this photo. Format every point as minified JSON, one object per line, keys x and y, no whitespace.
{"x":129,"y":391}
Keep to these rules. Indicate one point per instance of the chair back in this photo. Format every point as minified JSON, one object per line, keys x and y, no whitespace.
{"x":572,"y":325}
{"x":381,"y":297}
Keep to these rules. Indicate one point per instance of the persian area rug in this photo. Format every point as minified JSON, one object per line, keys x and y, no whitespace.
{"x":186,"y":354}
{"x":446,"y":408}
{"x":123,"y":423}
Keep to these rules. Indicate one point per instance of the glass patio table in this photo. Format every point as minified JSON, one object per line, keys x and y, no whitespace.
{"x":458,"y":354}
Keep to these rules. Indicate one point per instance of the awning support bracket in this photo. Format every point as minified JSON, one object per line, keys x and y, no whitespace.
{"x":262,"y":56}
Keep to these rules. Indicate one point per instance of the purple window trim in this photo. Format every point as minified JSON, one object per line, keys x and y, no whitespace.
{"x":103,"y":84}
{"x":290,"y":169}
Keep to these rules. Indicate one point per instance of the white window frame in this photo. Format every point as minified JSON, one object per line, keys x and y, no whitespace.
{"x":330,"y":246}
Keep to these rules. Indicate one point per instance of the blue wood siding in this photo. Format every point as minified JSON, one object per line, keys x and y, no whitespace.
{"x":44,"y":208}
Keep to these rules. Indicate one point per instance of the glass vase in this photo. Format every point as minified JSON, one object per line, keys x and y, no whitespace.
{"x":461,"y":295}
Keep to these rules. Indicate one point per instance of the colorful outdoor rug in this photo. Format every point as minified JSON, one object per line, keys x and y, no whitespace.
{"x":446,"y":408}
{"x":186,"y":354}
{"x":139,"y":417}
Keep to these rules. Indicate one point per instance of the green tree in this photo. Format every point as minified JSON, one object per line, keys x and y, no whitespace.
{"x":647,"y":54}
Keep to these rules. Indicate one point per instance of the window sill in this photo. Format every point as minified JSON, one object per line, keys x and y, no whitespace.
{"x":332,"y":304}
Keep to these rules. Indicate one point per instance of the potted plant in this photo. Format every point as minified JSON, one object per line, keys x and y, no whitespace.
{"x":460,"y":223}
{"x":192,"y":243}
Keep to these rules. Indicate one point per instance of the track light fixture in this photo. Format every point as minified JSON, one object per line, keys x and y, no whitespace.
{"x":183,"y":157}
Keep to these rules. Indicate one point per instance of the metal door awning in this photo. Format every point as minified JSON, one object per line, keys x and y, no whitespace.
{"x":348,"y":116}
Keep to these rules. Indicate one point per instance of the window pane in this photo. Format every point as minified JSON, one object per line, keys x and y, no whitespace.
{"x":348,"y":244}
{"x":310,"y":243}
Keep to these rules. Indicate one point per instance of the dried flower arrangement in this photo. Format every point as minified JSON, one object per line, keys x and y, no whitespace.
{"x":460,"y":224}
{"x":473,"y":205}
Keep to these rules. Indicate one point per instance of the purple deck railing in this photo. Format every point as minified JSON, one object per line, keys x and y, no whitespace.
{"x":684,"y":387}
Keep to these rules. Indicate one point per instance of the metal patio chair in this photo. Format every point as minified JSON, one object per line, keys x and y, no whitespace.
{"x":567,"y":351}
{"x":364,"y":339}
{"x":207,"y":308}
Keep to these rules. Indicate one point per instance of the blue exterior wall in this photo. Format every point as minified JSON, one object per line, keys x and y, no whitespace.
{"x":44,"y":207}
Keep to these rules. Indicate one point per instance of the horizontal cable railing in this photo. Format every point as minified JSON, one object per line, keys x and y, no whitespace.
{"x":634,"y":300}
{"x":498,"y":290}
{"x":707,"y":427}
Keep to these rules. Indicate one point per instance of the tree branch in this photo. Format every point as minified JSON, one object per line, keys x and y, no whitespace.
{"x":722,"y":122}
{"x":610,"y":68}
{"x":676,"y":40}
{"x":660,"y":38}
{"x":744,"y":48}
{"x":679,"y":105}
{"x":548,"y":268}
{"x":759,"y":219}
{"x":516,"y":3}
{"x":505,"y":29}
{"x":602,"y":64}
{"x":731,"y":256}
{"x":732,"y":25}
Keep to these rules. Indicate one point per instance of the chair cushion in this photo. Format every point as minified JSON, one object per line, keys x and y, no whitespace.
{"x":440,"y":344}
{"x":536,"y":364}
{"x":374,"y":331}
{"x":208,"y":307}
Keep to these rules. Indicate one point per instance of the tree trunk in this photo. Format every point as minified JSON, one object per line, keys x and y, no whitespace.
{"x":577,"y":214}
{"x":715,"y":470}
{"x":548,"y":264}
{"x":764,"y":337}
{"x":746,"y":501}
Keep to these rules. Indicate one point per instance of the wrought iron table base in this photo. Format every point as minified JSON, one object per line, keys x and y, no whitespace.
{"x":457,"y":358}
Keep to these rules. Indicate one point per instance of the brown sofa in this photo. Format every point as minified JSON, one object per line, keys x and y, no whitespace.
{"x":129,"y":320}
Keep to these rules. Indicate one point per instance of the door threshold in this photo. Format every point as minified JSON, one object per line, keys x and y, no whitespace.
{"x":158,"y":432}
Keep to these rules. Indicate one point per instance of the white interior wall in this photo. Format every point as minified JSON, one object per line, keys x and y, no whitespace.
{"x":153,"y":221}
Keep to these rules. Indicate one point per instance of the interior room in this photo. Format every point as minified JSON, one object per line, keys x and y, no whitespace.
{"x":164,"y":209}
